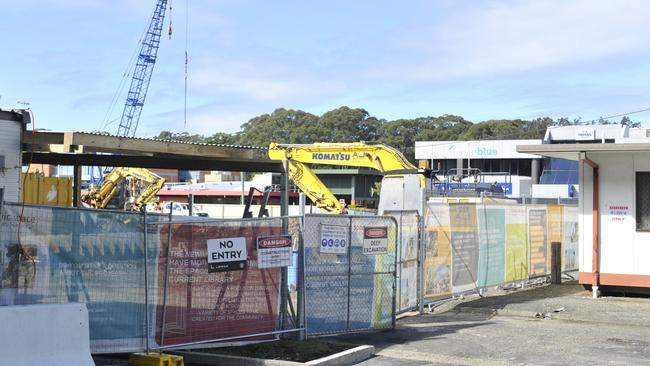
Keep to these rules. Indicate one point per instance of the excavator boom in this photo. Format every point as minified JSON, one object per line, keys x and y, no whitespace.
{"x":381,"y":157}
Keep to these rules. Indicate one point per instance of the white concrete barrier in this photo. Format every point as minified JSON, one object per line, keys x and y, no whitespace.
{"x":44,"y":335}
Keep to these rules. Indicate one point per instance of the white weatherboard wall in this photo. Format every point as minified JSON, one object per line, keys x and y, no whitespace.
{"x":53,"y":335}
{"x":623,"y":249}
{"x":10,"y":135}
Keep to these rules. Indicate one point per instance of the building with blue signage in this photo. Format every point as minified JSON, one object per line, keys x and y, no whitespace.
{"x":497,"y":162}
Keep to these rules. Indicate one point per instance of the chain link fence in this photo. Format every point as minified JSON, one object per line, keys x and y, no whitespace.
{"x":62,"y":255}
{"x":156,"y":282}
{"x":350,"y":273}
{"x":212,"y":284}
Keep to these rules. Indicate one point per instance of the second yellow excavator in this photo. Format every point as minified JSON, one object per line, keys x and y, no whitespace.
{"x":142,"y":186}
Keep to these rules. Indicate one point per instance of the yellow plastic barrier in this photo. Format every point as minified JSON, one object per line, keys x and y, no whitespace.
{"x":155,"y":359}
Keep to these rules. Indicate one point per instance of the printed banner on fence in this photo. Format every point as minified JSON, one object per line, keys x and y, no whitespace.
{"x":492,"y":240}
{"x":437,"y":252}
{"x":72,"y":255}
{"x":538,"y":241}
{"x":274,"y":251}
{"x":465,"y":246}
{"x":203,"y":306}
{"x":516,"y":244}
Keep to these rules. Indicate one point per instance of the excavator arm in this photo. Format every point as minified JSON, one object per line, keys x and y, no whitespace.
{"x":358,"y":154}
{"x":100,"y":197}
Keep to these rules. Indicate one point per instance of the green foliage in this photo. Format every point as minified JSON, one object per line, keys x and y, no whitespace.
{"x":283,"y":125}
{"x":346,"y":124}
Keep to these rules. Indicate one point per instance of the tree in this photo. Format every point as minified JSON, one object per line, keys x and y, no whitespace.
{"x":283,"y":125}
{"x":222,"y":138}
{"x":182,"y":136}
{"x":626,"y":121}
{"x":348,"y":125}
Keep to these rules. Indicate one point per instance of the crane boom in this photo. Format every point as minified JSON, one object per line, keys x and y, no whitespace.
{"x":142,"y":72}
{"x":384,"y":158}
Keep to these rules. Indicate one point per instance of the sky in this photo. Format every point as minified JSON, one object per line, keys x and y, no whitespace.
{"x":478,"y":59}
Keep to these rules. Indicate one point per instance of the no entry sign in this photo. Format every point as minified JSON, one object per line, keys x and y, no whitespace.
{"x":227,"y":254}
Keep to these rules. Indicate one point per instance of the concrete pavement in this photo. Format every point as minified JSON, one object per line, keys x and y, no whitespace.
{"x":520,"y":328}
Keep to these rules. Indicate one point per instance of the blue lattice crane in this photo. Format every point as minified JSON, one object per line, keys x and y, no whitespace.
{"x":142,"y":72}
{"x":139,"y":82}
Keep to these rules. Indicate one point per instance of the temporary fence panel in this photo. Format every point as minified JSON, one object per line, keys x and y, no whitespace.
{"x":570,"y":261}
{"x":63,"y":255}
{"x":474,"y":246}
{"x":407,"y":258}
{"x":516,"y":244}
{"x":349,"y":273}
{"x":492,"y":245}
{"x":437,"y":252}
{"x":538,"y":239}
{"x":212,"y":282}
{"x":465,"y":247}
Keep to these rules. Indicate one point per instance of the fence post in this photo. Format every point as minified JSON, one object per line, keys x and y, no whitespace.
{"x":166,"y":281}
{"x":284,"y":212}
{"x":556,"y":263}
{"x":421,"y":246}
{"x":300,"y":283}
{"x":347,"y":324}
{"x":397,"y":248}
{"x":146,"y":283}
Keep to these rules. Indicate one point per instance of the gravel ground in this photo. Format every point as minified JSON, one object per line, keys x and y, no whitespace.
{"x":548,"y":325}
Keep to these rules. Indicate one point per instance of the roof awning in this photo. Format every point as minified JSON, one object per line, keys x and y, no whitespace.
{"x":572,"y":151}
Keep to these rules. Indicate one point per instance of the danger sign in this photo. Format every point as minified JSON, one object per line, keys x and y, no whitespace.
{"x":227,"y":254}
{"x":375,"y":240}
{"x":274,"y":251}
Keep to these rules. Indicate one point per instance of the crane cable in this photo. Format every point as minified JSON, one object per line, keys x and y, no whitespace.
{"x":169,"y":29}
{"x":125,"y":76}
{"x":187,"y":17}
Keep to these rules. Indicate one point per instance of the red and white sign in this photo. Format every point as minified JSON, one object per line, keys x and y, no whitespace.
{"x":375,"y":240}
{"x":274,"y":251}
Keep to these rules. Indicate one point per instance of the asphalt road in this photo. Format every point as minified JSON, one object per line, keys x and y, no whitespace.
{"x":550,"y":325}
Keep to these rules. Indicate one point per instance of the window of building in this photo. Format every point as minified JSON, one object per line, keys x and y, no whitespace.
{"x":643,"y":201}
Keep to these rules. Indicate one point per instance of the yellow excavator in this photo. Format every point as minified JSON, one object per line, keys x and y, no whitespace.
{"x":142,"y":186}
{"x":401,"y":185}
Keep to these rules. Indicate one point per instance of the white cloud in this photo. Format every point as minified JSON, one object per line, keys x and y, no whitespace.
{"x":513,"y":36}
{"x":261,"y":80}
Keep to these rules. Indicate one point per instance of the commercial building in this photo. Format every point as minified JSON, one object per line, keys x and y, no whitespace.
{"x":520,"y":174}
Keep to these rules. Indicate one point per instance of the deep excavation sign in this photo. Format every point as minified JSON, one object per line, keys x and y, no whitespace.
{"x":375,"y":240}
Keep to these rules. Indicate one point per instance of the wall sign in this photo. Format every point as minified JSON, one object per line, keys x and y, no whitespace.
{"x":227,"y":254}
{"x":375,"y":240}
{"x":585,"y":134}
{"x":617,"y":213}
{"x":274,"y":251}
{"x":334,"y":239}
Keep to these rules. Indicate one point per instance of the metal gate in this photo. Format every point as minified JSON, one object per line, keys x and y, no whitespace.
{"x":408,"y":235}
{"x":350,"y":273}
